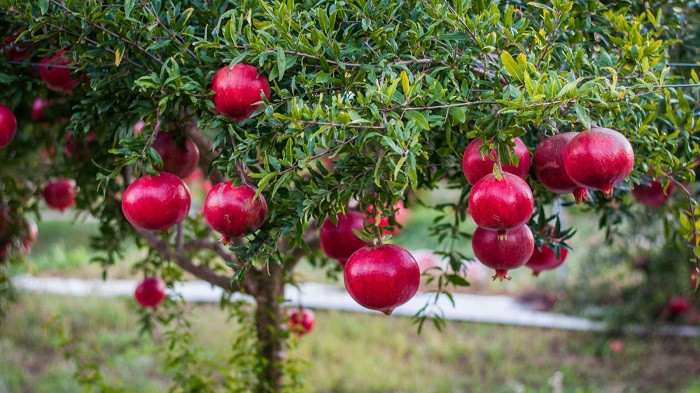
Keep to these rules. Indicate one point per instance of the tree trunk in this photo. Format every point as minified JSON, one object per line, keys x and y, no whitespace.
{"x":268,"y":319}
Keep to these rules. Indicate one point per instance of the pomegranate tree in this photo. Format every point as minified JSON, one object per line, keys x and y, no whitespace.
{"x":441,"y":105}
{"x":382,"y":278}
{"x":150,"y":292}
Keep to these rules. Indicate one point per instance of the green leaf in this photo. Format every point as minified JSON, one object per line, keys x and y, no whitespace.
{"x":420,"y":120}
{"x":263,"y":182}
{"x":582,"y":116}
{"x":128,"y":7}
{"x":43,"y":6}
{"x":511,"y":65}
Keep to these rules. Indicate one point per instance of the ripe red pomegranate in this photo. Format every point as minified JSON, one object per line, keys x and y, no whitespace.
{"x":503,"y":204}
{"x":59,"y":194}
{"x":156,"y":203}
{"x":339,"y":241}
{"x":382,"y":278}
{"x":301,"y":321}
{"x":475,"y":167}
{"x":38,"y":107}
{"x":503,"y":253}
{"x":180,"y":157}
{"x":678,"y":305}
{"x":231,"y":210}
{"x":548,"y":162}
{"x":15,"y":51}
{"x":237,"y":89}
{"x":652,"y":194}
{"x":55,"y":71}
{"x":31,"y":233}
{"x":8,"y":126}
{"x":599,"y":158}
{"x":79,"y":149}
{"x":150,"y":292}
{"x":545,"y":259}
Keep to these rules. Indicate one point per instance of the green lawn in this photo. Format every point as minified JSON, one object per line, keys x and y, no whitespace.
{"x":347,"y":353}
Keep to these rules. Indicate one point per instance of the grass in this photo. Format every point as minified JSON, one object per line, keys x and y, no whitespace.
{"x":348,"y":352}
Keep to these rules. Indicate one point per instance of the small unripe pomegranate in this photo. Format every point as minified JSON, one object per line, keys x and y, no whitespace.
{"x":59,"y":194}
{"x":8,"y":126}
{"x":301,"y":321}
{"x":652,"y":194}
{"x":503,"y":253}
{"x":231,"y":210}
{"x":678,"y":305}
{"x":55,"y":71}
{"x":548,"y":162}
{"x":339,"y":241}
{"x":502,"y":204}
{"x":237,"y":89}
{"x":475,"y":167}
{"x":139,"y":127}
{"x":599,"y":159}
{"x":31,"y":233}
{"x":545,"y":259}
{"x":181,"y":158}
{"x":150,"y":292}
{"x":156,"y":203}
{"x":38,"y":107}
{"x":382,"y":278}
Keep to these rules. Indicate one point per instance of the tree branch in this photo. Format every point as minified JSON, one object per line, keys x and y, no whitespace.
{"x":206,"y":150}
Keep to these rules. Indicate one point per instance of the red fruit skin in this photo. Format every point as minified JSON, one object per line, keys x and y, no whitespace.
{"x":236,"y":90}
{"x":545,"y":259}
{"x":617,"y":346}
{"x":474,"y":167}
{"x":78,"y":149}
{"x":503,"y":204}
{"x":150,"y":292}
{"x":156,"y":203}
{"x":548,"y":162}
{"x":503,"y":253}
{"x":678,"y":305}
{"x":15,"y":52}
{"x":231,"y":211}
{"x":382,"y":278}
{"x":599,"y":159}
{"x":38,"y":107}
{"x":54,"y":70}
{"x":339,"y":241}
{"x":31,"y":234}
{"x":59,"y":194}
{"x":301,"y":321}
{"x":653,"y":194}
{"x":180,"y":160}
{"x":8,"y":126}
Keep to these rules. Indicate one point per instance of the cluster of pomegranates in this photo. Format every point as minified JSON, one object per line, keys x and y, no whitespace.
{"x":501,"y":201}
{"x":380,"y":277}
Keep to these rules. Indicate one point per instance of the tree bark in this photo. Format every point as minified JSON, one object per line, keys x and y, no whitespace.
{"x":268,"y":319}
